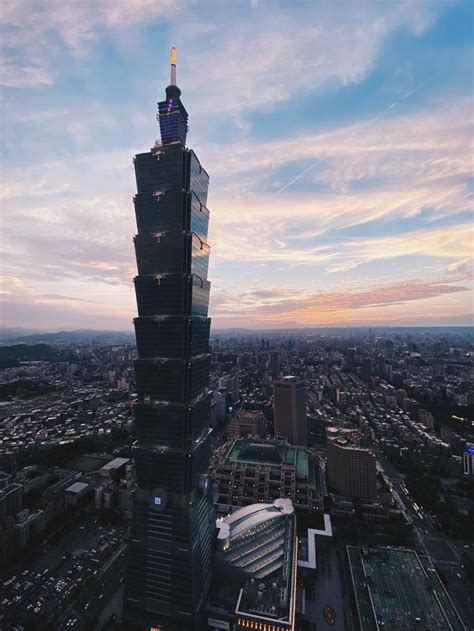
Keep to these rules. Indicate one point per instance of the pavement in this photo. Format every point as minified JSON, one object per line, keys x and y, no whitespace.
{"x":329,"y":590}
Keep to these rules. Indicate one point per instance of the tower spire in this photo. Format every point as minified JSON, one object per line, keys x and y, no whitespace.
{"x":173,"y":65}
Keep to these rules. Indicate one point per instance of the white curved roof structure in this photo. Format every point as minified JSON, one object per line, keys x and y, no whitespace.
{"x":249,"y":517}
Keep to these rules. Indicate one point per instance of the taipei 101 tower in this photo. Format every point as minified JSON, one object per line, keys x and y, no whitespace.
{"x":169,"y":562}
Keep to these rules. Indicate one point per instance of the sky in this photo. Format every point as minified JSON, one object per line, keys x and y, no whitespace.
{"x":337,"y":135}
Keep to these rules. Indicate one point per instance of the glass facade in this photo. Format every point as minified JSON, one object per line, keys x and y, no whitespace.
{"x":169,"y":566}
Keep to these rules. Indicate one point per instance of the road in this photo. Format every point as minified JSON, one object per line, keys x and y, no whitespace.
{"x":445,"y":554}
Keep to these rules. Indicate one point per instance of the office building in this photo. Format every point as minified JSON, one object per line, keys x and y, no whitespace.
{"x":468,"y":460}
{"x":426,"y":418}
{"x":366,"y":370}
{"x":351,"y":358}
{"x":169,"y":564}
{"x":114,"y":469}
{"x":247,"y":423}
{"x":219,"y":407}
{"x":11,"y":499}
{"x":351,"y":469}
{"x":275,"y":364}
{"x":289,"y":403}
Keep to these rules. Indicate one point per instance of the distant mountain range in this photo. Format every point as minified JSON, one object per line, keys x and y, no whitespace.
{"x":340,"y":330}
{"x":81,"y":335}
{"x":25,"y":336}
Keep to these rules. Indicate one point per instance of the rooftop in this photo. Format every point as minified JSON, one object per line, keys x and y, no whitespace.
{"x":270,"y":452}
{"x":257,"y":550}
{"x":394,"y":590}
{"x":77,"y":487}
{"x":249,"y":517}
{"x":116,"y":463}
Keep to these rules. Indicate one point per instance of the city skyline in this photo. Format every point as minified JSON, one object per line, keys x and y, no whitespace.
{"x":343,"y":198}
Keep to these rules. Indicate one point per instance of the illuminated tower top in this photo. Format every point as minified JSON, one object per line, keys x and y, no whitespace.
{"x":172,"y":115}
{"x":173,"y":66}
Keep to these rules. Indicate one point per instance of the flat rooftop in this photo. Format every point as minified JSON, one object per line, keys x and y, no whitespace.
{"x":77,"y":487}
{"x":271,"y":453}
{"x":116,"y":463}
{"x":394,"y":590}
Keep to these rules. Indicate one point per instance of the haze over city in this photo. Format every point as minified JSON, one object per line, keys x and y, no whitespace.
{"x":337,"y":136}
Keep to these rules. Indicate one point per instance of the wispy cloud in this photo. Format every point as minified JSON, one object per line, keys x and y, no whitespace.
{"x":22,"y":303}
{"x":347,"y":305}
{"x":278,"y":53}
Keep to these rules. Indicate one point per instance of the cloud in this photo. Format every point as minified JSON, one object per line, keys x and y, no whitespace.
{"x":347,"y":305}
{"x":414,"y":167}
{"x":460,"y":266}
{"x":61,"y":298}
{"x":60,"y":221}
{"x":76,"y":23}
{"x":255,"y":56}
{"x":433,"y":143}
{"x":269,"y":56}
{"x":46,"y":32}
{"x":51,"y":311}
{"x":18,"y":76}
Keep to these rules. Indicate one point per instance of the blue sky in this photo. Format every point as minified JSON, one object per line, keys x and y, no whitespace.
{"x":338,"y":137}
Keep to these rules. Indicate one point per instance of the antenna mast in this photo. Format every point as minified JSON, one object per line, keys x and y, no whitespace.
{"x":173,"y":66}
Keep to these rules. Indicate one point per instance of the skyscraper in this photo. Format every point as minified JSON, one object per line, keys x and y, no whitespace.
{"x":275,"y":364}
{"x":289,"y":403}
{"x":350,"y":358}
{"x":169,"y":565}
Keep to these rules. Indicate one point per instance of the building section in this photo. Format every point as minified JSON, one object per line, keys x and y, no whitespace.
{"x":116,"y":488}
{"x":114,"y":469}
{"x":289,"y":401}
{"x":169,"y":567}
{"x":275,"y":364}
{"x":351,"y":469}
{"x":251,"y":470}
{"x":468,"y":460}
{"x":247,"y":423}
{"x":256,"y":569}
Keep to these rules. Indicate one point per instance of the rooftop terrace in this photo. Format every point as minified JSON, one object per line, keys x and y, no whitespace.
{"x":270,"y":452}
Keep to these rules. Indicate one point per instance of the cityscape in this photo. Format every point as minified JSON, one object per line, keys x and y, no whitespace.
{"x":274,"y":454}
{"x":378,"y":476}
